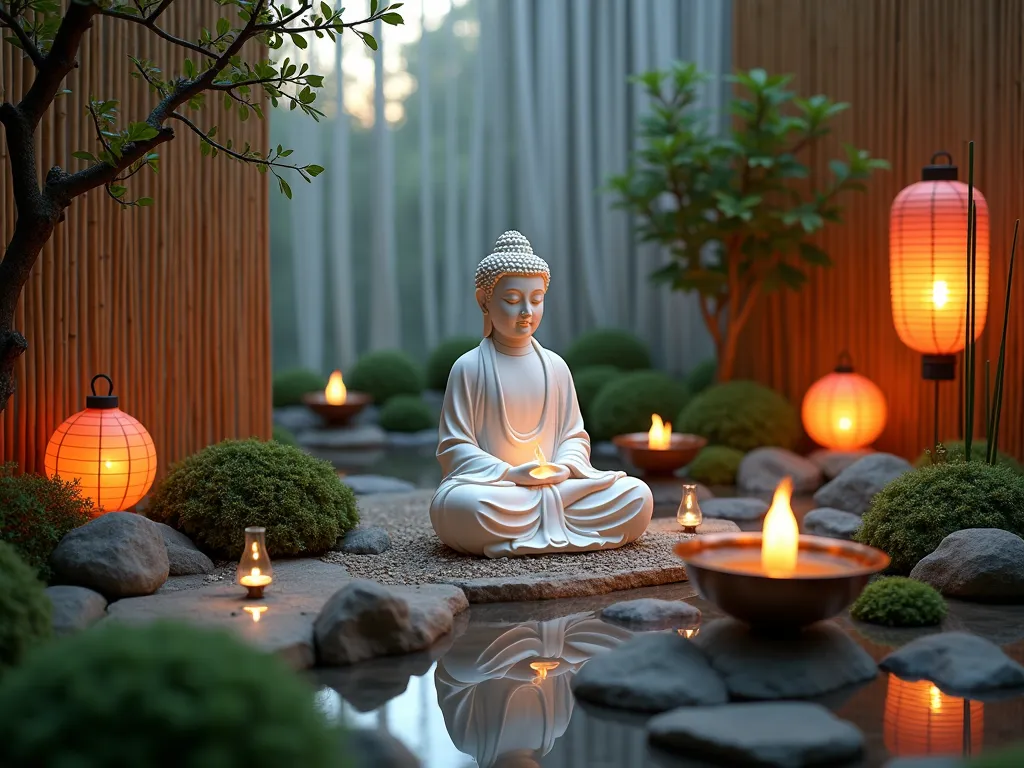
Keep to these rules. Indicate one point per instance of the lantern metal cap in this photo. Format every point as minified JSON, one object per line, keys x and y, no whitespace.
{"x":102,"y":402}
{"x":939,"y":172}
{"x":844,"y":364}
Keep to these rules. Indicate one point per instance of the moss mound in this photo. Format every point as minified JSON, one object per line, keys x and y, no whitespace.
{"x":160,"y":695}
{"x":25,"y":611}
{"x":284,"y":436}
{"x":1012,"y":757}
{"x":407,"y":413}
{"x":716,"y":465}
{"x":439,"y":366}
{"x":36,"y":512}
{"x":955,"y":451}
{"x":743,"y":415}
{"x":626,"y":404}
{"x":897,"y":601}
{"x":214,"y":494}
{"x":702,"y":377}
{"x":911,"y":516}
{"x":385,"y":374}
{"x":608,"y":346}
{"x":589,"y":382}
{"x":290,"y":386}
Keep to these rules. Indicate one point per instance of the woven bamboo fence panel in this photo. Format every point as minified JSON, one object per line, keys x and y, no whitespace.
{"x":172,"y":301}
{"x":921,"y":76}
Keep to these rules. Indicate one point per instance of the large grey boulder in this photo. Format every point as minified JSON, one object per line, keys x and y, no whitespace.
{"x":649,"y":613}
{"x":650,"y":673}
{"x":119,"y":554}
{"x":783,"y":734}
{"x":75,"y":608}
{"x":832,"y":463}
{"x":737,"y":509}
{"x":183,"y":556}
{"x":980,"y":564}
{"x":832,"y":523}
{"x":762,"y":470}
{"x":854,"y":488}
{"x":958,"y":663}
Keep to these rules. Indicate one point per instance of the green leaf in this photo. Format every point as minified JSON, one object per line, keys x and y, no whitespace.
{"x":144,"y":201}
{"x":299,"y":41}
{"x":117,"y":190}
{"x":394,"y":19}
{"x":373,"y":7}
{"x":313,"y":170}
{"x":369,"y":39}
{"x":326,"y":10}
{"x":223,"y":26}
{"x":88,"y":156}
{"x":812,"y":254}
{"x":285,"y":189}
{"x":189,"y":68}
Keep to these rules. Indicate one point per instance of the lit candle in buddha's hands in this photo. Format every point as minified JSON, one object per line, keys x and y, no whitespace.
{"x":780,"y":539}
{"x":544,"y":470}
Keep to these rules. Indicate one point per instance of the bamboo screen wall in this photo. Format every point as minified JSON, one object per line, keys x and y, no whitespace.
{"x":922,"y":76}
{"x":171,"y":301}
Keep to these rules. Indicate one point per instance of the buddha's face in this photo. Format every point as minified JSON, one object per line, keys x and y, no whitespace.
{"x":516,"y":307}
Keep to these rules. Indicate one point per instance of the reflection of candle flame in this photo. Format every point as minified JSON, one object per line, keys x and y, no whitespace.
{"x":255,"y":611}
{"x":336,"y":392}
{"x":688,"y":633}
{"x":659,"y":438}
{"x":255,"y":551}
{"x":542,"y":668}
{"x":781,"y":535}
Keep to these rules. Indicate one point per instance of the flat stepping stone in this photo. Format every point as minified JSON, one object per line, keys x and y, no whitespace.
{"x":738,"y":509}
{"x":650,"y":613}
{"x":980,"y":564}
{"x":832,"y":523}
{"x":366,"y":485}
{"x":782,"y":734}
{"x":958,"y":663}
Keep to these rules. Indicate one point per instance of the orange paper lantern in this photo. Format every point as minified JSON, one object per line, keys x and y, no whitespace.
{"x":928,"y":267}
{"x":921,"y":720}
{"x":844,"y":411}
{"x":109,"y":452}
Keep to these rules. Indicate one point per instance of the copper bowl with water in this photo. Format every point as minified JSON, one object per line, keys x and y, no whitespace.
{"x":336,"y":415}
{"x":779,"y":603}
{"x":681,"y":451}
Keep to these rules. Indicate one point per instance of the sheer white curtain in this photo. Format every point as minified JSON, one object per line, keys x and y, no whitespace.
{"x":519,"y":133}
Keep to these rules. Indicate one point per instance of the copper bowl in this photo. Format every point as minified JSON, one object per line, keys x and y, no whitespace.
{"x":336,"y":415}
{"x":659,"y":461}
{"x":779,"y":603}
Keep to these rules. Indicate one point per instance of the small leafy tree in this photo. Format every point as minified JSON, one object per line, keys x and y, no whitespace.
{"x":214,"y":65}
{"x":734,"y":210}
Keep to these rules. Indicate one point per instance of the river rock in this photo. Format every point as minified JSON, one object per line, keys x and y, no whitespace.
{"x":783,"y":734}
{"x":958,"y":663}
{"x":649,"y":613}
{"x":833,"y":523}
{"x":119,"y":554}
{"x":650,"y":673}
{"x":980,"y":564}
{"x":762,"y":470}
{"x":75,"y":608}
{"x":183,"y":556}
{"x":853,"y":489}
{"x":372,"y":540}
{"x":737,"y":509}
{"x":366,"y":485}
{"x":832,"y":463}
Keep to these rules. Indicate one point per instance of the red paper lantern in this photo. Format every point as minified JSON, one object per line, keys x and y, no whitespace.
{"x":921,"y":720}
{"x":928,"y":266}
{"x":844,"y":410}
{"x":109,"y":452}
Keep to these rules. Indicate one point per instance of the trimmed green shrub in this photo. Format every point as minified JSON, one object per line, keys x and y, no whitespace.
{"x":897,"y":601}
{"x":159,"y":695}
{"x":36,"y":512}
{"x":439,"y":366}
{"x":608,"y":346}
{"x":384,"y":374}
{"x":284,"y":436}
{"x":213,"y":495}
{"x":290,"y":386}
{"x":911,"y":516}
{"x":407,"y":413}
{"x":743,"y":415}
{"x":716,"y":465}
{"x":955,"y":451}
{"x":1011,"y":757}
{"x":589,"y":382}
{"x":702,"y":377}
{"x":626,"y":404}
{"x":25,"y":611}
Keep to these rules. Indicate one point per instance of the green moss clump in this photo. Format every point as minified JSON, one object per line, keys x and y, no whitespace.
{"x":743,"y":415}
{"x":955,"y":451}
{"x":284,"y":436}
{"x":158,"y":695}
{"x":36,"y":512}
{"x":1012,"y":757}
{"x":290,"y":386}
{"x":897,"y":601}
{"x":407,"y":413}
{"x":385,"y":374}
{"x":626,"y":404}
{"x":716,"y":465}
{"x":213,"y":495}
{"x":589,"y":382}
{"x":25,"y":611}
{"x":702,"y":377}
{"x":911,"y":516}
{"x":439,"y":366}
{"x":608,"y":346}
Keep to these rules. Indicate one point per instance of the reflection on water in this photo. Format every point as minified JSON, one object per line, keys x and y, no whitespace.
{"x":922,"y":720}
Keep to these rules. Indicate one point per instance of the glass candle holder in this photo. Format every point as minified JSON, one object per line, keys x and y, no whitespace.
{"x":254,"y":569}
{"x":689,"y":515}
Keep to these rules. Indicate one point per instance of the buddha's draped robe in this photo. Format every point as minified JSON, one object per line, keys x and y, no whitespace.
{"x":477,"y":511}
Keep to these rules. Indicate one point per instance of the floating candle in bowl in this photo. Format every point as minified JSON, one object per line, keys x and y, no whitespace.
{"x":659,"y":437}
{"x":545,"y":470}
{"x":336,"y":392}
{"x":658,"y":451}
{"x":336,"y":404}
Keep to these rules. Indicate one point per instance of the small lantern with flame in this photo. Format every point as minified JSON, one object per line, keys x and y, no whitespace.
{"x":254,"y":569}
{"x":689,"y":515}
{"x":336,"y":404}
{"x":843,"y":410}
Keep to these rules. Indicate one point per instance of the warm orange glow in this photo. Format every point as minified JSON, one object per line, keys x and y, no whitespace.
{"x":689,"y":514}
{"x":255,"y":611}
{"x":659,"y":438}
{"x":928,"y":266}
{"x":542,"y":668}
{"x":922,"y":720}
{"x":545,"y":470}
{"x":688,"y":633}
{"x":844,"y":411}
{"x":255,"y":579}
{"x":336,"y":392}
{"x":109,"y":452}
{"x":254,"y":567}
{"x":781,"y":535}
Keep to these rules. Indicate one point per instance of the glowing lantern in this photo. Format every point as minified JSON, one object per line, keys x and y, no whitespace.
{"x":922,"y":720}
{"x":254,"y":569}
{"x":780,"y":538}
{"x":928,"y":267}
{"x":689,"y":514}
{"x":336,"y":392}
{"x":659,"y":438}
{"x":110,"y":453}
{"x":844,"y":410}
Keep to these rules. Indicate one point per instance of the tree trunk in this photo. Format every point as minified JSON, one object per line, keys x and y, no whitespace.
{"x":726,"y":350}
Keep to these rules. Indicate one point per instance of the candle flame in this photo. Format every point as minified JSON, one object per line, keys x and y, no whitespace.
{"x":781,"y":535}
{"x":659,"y":438}
{"x":255,"y":572}
{"x":940,"y":293}
{"x":538,"y":454}
{"x":542,"y":668}
{"x":255,"y":611}
{"x":336,"y":392}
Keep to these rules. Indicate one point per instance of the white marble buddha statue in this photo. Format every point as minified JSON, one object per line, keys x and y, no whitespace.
{"x":508,"y":402}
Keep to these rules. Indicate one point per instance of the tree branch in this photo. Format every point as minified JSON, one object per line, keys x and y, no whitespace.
{"x":22,"y":151}
{"x":231,"y":152}
{"x":150,"y":23}
{"x":27,"y":44}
